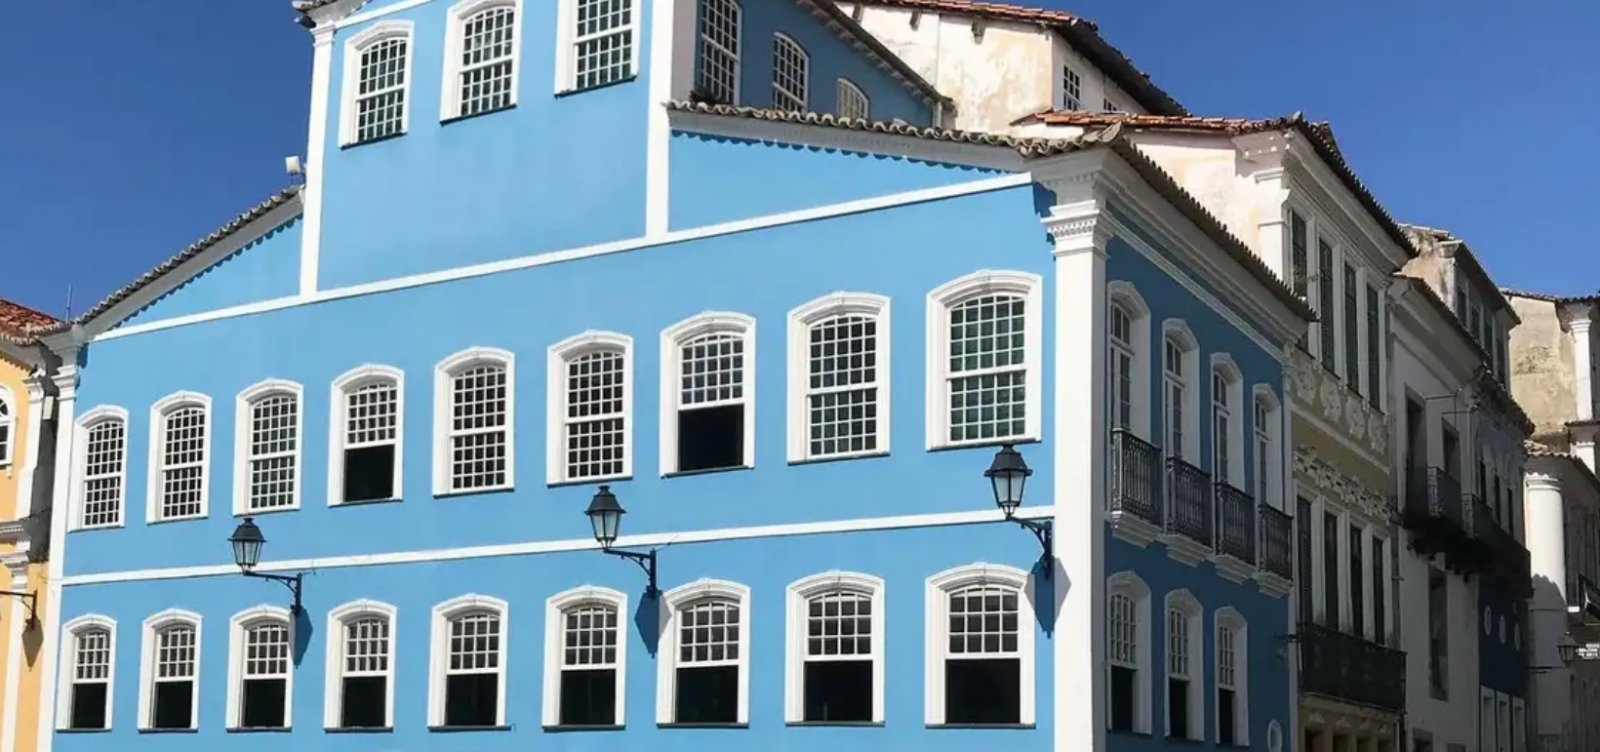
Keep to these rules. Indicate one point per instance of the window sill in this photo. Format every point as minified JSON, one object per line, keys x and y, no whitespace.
{"x":1185,"y":740}
{"x":378,"y":140}
{"x":459,"y":118}
{"x":568,"y":91}
{"x":465,"y":729}
{"x":707,"y":471}
{"x":84,"y":731}
{"x":261,"y":730}
{"x":473,"y":491}
{"x":570,"y":729}
{"x":837,"y":458}
{"x":169,"y":731}
{"x":359,"y":730}
{"x":948,"y":446}
{"x":91,"y":528}
{"x":170,"y":520}
{"x":274,"y":510}
{"x":564,"y":483}
{"x":1000,"y":726}
{"x":837,"y":724}
{"x":1131,"y":734}
{"x":366,"y":502}
{"x":703,"y":725}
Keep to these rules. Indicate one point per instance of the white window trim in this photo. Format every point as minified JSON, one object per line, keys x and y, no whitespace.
{"x":442,"y":375}
{"x":71,"y":631}
{"x":439,"y":651}
{"x":1184,"y":601}
{"x":667,"y":644}
{"x":8,"y":420}
{"x":846,"y":86}
{"x":1223,"y":364}
{"x":801,"y":319}
{"x":937,"y":646}
{"x":1133,"y":586}
{"x":554,"y":630}
{"x":80,"y":459}
{"x":350,"y":81}
{"x":1228,"y":617}
{"x":672,"y":339}
{"x":800,"y":593}
{"x":243,"y":423}
{"x":567,"y":45}
{"x":147,"y":661}
{"x":1263,"y":394}
{"x":455,"y":37}
{"x":237,"y":627}
{"x":940,"y":300}
{"x":1178,"y":330}
{"x":158,"y":413}
{"x":1125,"y":295}
{"x":803,"y":96}
{"x":561,"y":354}
{"x":333,"y":691}
{"x":338,"y":420}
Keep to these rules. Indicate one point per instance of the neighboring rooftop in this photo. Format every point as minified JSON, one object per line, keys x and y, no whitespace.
{"x":1559,"y":299}
{"x":19,"y":323}
{"x":1464,"y":256}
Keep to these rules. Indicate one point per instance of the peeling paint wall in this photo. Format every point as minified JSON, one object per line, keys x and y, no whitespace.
{"x":1210,"y":169}
{"x":1543,"y":378}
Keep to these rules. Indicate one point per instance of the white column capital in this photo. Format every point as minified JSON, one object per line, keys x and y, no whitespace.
{"x":1534,"y":480}
{"x":1580,"y":316}
{"x":1078,"y":227}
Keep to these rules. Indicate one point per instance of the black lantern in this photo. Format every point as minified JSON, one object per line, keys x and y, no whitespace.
{"x":1567,"y":650}
{"x":1008,"y":474}
{"x":605,"y":516}
{"x":247,"y":541}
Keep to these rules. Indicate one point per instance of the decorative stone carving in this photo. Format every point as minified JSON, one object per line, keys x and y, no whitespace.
{"x":1321,"y":393}
{"x":1350,"y":493}
{"x":1378,"y":432}
{"x":1355,"y":419}
{"x":1331,"y":404}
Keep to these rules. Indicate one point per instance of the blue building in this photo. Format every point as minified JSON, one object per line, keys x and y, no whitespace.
{"x":715,"y":263}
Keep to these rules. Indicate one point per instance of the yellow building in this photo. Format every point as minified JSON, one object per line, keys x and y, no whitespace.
{"x":26,"y":446}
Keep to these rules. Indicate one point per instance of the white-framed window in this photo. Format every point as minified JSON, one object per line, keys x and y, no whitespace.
{"x":482,"y":55}
{"x":359,"y":689}
{"x":984,"y":351}
{"x":599,"y":43}
{"x":1071,"y":89}
{"x":169,"y":671}
{"x":717,"y":76}
{"x":791,"y":71}
{"x":1128,"y":646}
{"x":376,"y":101}
{"x":102,"y":452}
{"x":8,"y":426}
{"x":1227,"y":423}
{"x":467,"y":663}
{"x":835,"y":649}
{"x":180,"y":455}
{"x":88,"y":674}
{"x":1267,"y":427}
{"x":839,"y":377}
{"x":585,"y":658}
{"x":853,"y":102}
{"x":261,"y":668}
{"x":1185,"y":646}
{"x":474,"y":399}
{"x":1180,"y":394}
{"x":1232,"y":674}
{"x":703,"y":671}
{"x":980,"y":656}
{"x":590,"y":407}
{"x":708,"y":393}
{"x":366,"y":434}
{"x":266,"y":448}
{"x":1128,"y":330}
{"x":1110,"y":106}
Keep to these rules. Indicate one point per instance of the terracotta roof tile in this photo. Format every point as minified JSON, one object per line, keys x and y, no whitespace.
{"x":19,"y":323}
{"x":1548,"y":298}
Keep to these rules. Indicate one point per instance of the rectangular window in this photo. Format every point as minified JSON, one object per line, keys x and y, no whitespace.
{"x":91,"y":677}
{"x":472,"y":677}
{"x":183,"y":462}
{"x":1227,"y":686}
{"x":1124,"y":659}
{"x":1352,"y":331}
{"x":838,"y":658}
{"x":983,"y":668}
{"x":478,"y":428}
{"x":790,"y":74}
{"x":707,"y":686}
{"x":1327,"y":345}
{"x":1358,"y":580}
{"x":1110,"y":106}
{"x":1298,"y":263}
{"x":1121,"y":368}
{"x":487,"y":59}
{"x":594,"y":423}
{"x":274,"y":446}
{"x":1374,"y":350}
{"x":1379,"y":603}
{"x":711,"y":402}
{"x":370,"y":441}
{"x":1070,"y":88}
{"x":1438,"y":636}
{"x":1302,"y":522}
{"x":1174,"y":390}
{"x":988,"y":368}
{"x":1330,"y":569}
{"x":172,"y":697}
{"x":364,"y":687}
{"x":604,"y":42}
{"x":1263,"y":452}
{"x":264,"y":694}
{"x":719,"y":51}
{"x":1221,"y":421}
{"x":1178,"y":678}
{"x":842,"y":386}
{"x":104,"y":448}
{"x":589,"y":666}
{"x":381,"y":90}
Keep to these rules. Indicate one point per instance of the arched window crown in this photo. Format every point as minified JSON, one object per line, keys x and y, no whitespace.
{"x":985,"y":351}
{"x":366,"y":435}
{"x":982,"y":644}
{"x":474,"y":414}
{"x":791,"y":72}
{"x":180,"y":457}
{"x":482,"y":57}
{"x":8,"y":426}
{"x":589,"y":430}
{"x":598,"y":43}
{"x":585,"y":658}
{"x":853,"y":102}
{"x":102,"y":472}
{"x":376,"y":101}
{"x":839,"y":377}
{"x":708,"y":393}
{"x":268,"y":431}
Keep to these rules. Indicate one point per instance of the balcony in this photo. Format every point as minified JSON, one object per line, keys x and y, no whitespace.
{"x":1495,"y":553}
{"x":1134,"y":503}
{"x":1235,"y":532}
{"x":1434,"y":512}
{"x":1349,"y":668}
{"x":1277,"y":551}
{"x":1583,"y":597}
{"x":1188,"y":527}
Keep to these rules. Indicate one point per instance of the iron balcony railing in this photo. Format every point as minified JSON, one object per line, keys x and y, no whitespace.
{"x":1188,"y":502}
{"x":1236,"y":523}
{"x":1135,"y":477}
{"x":1344,"y":666}
{"x":1434,"y":510}
{"x":1496,"y":552}
{"x":1277,"y":542}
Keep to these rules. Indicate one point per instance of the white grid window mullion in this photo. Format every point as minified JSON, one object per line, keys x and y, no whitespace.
{"x":708,"y":633}
{"x":712,"y":371}
{"x":719,"y":49}
{"x":366,"y":647}
{"x":603,"y":44}
{"x":102,"y":476}
{"x":183,"y":461}
{"x":371,"y":415}
{"x":92,"y":657}
{"x":1178,"y":644}
{"x":267,"y":651}
{"x":842,"y":386}
{"x":984,"y":622}
{"x":175,"y":653}
{"x":589,"y":637}
{"x":790,"y":71}
{"x":479,"y":401}
{"x":595,"y":419}
{"x":1222,"y":420}
{"x":487,"y":50}
{"x":1124,"y":632}
{"x":381,"y":89}
{"x":474,"y":644}
{"x":987,"y":380}
{"x":839,"y":627}
{"x":853,"y":102}
{"x":274,"y":451}
{"x":1226,"y":658}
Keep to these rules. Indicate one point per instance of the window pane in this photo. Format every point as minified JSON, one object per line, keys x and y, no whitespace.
{"x":262,"y":703}
{"x":983,"y":691}
{"x":605,"y":42}
{"x":471,"y":699}
{"x":711,"y":438}
{"x":1226,"y":718}
{"x":369,"y":473}
{"x":789,"y":74}
{"x":88,"y":706}
{"x":102,"y":482}
{"x":486,"y":52}
{"x":838,"y":691}
{"x":274,"y":425}
{"x":380,"y":90}
{"x":183,"y":461}
{"x":719,"y":50}
{"x":478,"y":428}
{"x":1178,"y":708}
{"x":707,"y":695}
{"x":588,"y":697}
{"x":172,"y":702}
{"x":1123,"y":698}
{"x":363,"y":702}
{"x":842,"y":398}
{"x":594,"y":421}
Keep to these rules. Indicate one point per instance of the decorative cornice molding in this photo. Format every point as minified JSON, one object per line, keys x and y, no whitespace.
{"x":1330,"y":481}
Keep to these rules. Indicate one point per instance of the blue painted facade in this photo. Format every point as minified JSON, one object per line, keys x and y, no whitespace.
{"x":1502,"y":663}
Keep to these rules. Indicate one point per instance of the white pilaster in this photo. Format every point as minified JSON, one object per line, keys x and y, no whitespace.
{"x":1547,"y":610}
{"x":1579,"y":322}
{"x":316,"y":150}
{"x":16,"y":569}
{"x":671,"y":74}
{"x":16,"y":610}
{"x":66,"y":383}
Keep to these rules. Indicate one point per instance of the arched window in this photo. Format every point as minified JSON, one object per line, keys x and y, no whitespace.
{"x":599,"y":43}
{"x":705,"y":654}
{"x":1185,"y":646}
{"x":467,"y":680}
{"x":474,"y":403}
{"x":376,"y":83}
{"x":980,"y":665}
{"x":1227,"y":404}
{"x":482,"y":52}
{"x":1233,"y":678}
{"x":102,"y":467}
{"x":266,"y":448}
{"x":89,"y":673}
{"x":585,"y":658}
{"x":8,"y":426}
{"x":708,"y":393}
{"x":718,"y":73}
{"x":360,"y":671}
{"x":839,"y":377}
{"x":180,"y":453}
{"x":791,"y":70}
{"x":1267,"y":427}
{"x":1180,"y":394}
{"x":835,"y":649}
{"x":853,"y":102}
{"x":261,"y":668}
{"x":589,"y":436}
{"x":366,"y":434}
{"x":1128,"y":653}
{"x":169,"y":671}
{"x":1128,"y":372}
{"x":984,"y":352}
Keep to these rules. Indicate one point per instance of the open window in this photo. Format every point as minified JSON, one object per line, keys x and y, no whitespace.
{"x":467,"y":681}
{"x":261,"y":668}
{"x":102,"y":468}
{"x":169,"y":671}
{"x":708,"y":393}
{"x":1185,"y":645}
{"x":839,"y":377}
{"x":88,"y":675}
{"x":1233,"y":678}
{"x":984,"y":353}
{"x":266,"y":448}
{"x":704,"y":667}
{"x":360,"y":677}
{"x":835,"y":649}
{"x":585,"y":658}
{"x":366,"y":434}
{"x":474,"y":404}
{"x":590,"y":408}
{"x":180,"y":453}
{"x":980,"y":663}
{"x":1128,"y":653}
{"x":376,"y":83}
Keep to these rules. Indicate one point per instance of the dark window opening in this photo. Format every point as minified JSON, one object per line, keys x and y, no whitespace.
{"x":1178,"y":708}
{"x":1330,"y":569}
{"x":711,"y":438}
{"x":364,"y":702}
{"x":838,"y":691}
{"x":88,"y":706}
{"x":1379,"y":634}
{"x":1123,"y":697}
{"x":1226,"y":734}
{"x":1358,"y":610}
{"x":173,"y":703}
{"x":986,"y":691}
{"x":708,"y":695}
{"x":471,"y":700}
{"x":263,"y":703}
{"x":589,"y":697}
{"x":1302,"y":521}
{"x":369,"y":473}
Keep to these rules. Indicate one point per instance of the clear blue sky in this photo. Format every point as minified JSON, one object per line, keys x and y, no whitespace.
{"x":134,"y":127}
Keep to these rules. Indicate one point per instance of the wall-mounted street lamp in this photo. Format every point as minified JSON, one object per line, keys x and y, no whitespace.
{"x":1566,"y":650}
{"x":605,"y":515}
{"x":1008,"y":474}
{"x":33,"y":604}
{"x":247,"y":541}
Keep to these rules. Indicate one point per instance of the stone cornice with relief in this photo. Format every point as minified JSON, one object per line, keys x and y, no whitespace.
{"x":1321,"y":476}
{"x":1324,"y":396}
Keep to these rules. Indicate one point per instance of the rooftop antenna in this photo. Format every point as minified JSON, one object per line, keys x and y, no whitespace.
{"x":69,"y":301}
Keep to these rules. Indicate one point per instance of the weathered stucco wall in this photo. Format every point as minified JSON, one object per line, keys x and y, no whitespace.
{"x":1542,"y":375}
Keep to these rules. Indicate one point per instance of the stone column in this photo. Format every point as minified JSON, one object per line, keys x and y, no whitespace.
{"x":66,"y":384}
{"x":1583,"y":383}
{"x":1547,"y":609}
